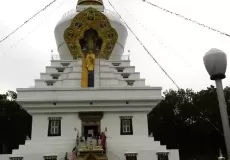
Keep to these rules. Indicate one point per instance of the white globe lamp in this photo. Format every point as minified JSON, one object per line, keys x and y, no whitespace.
{"x":215,"y":62}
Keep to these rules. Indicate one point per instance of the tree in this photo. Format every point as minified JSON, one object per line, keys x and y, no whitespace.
{"x":189,"y":121}
{"x":12,"y":95}
{"x":15,"y":122}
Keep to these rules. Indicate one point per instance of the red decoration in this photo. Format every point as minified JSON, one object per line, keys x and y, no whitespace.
{"x":103,"y":141}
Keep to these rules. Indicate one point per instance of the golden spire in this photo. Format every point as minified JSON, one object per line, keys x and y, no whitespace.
{"x":90,"y":2}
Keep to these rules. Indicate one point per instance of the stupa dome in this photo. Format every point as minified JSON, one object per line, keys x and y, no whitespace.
{"x":66,"y":20}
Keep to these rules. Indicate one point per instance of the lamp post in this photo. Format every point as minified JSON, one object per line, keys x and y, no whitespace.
{"x":215,"y":62}
{"x":221,"y":156}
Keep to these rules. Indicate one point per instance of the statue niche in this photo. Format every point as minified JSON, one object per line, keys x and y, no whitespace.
{"x":91,"y":47}
{"x":91,"y":42}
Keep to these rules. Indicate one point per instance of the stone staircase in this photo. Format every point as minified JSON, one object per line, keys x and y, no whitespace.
{"x":45,"y":146}
{"x":117,"y":148}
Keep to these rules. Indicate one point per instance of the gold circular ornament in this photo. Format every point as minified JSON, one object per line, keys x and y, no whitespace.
{"x":91,"y":18}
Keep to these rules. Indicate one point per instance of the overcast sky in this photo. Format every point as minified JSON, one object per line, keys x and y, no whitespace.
{"x":178,"y":45}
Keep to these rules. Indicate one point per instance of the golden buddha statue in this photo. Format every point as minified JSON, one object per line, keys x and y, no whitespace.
{"x":90,"y":61}
{"x":90,"y":46}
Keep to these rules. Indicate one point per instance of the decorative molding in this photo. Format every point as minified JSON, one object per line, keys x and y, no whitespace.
{"x":65,"y":64}
{"x":131,"y":154}
{"x":90,"y":116}
{"x":125,"y":75}
{"x":55,"y":76}
{"x":16,"y":158}
{"x":54,"y":118}
{"x":90,"y":123}
{"x":163,"y":153}
{"x":130,"y":82}
{"x":82,"y":114}
{"x":60,"y":69}
{"x":50,"y":83}
{"x":126,"y":117}
{"x":120,"y":69}
{"x":116,"y":64}
{"x":50,"y":157}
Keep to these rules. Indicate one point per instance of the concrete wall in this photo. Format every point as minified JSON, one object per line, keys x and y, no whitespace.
{"x":69,"y":122}
{"x":115,"y":155}
{"x":111,"y":120}
{"x":142,"y":155}
{"x":31,"y":156}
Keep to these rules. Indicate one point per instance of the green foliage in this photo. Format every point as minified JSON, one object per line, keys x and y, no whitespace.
{"x":189,"y":121}
{"x":15,"y":122}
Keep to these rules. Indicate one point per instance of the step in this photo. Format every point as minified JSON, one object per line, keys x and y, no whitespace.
{"x":36,"y":146}
{"x":42,"y":150}
{"x":131,"y":141}
{"x":163,"y":147}
{"x":52,"y":140}
{"x":49,"y":142}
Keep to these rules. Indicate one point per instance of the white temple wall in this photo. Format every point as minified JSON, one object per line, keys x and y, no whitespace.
{"x":84,"y":94}
{"x":68,"y":124}
{"x":174,"y":154}
{"x":117,"y":53}
{"x":112,"y":155}
{"x":30,"y":156}
{"x":149,"y":154}
{"x":111,"y":120}
{"x":64,"y":52}
{"x":5,"y":156}
{"x":152,"y":155}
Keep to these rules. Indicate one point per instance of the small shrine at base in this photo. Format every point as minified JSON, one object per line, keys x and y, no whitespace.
{"x":96,"y":153}
{"x":91,"y":148}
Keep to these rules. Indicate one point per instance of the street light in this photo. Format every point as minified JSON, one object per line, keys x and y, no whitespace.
{"x":221,"y":156}
{"x":215,"y":62}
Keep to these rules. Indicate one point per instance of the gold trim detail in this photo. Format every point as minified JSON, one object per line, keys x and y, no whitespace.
{"x":90,"y":18}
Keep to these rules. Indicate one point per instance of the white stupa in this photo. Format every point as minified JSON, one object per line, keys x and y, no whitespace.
{"x":90,"y":89}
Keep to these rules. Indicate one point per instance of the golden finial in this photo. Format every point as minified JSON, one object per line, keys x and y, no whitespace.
{"x":90,"y":2}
